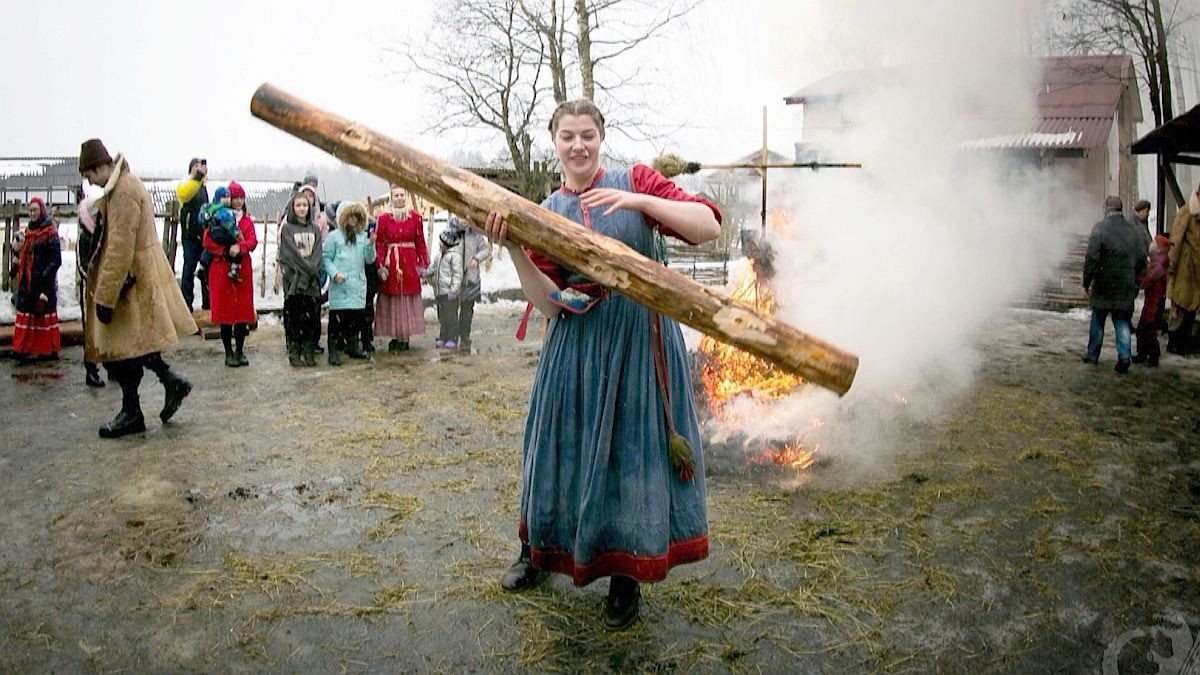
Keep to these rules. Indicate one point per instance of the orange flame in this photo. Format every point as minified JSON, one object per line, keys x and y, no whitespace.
{"x":729,"y":374}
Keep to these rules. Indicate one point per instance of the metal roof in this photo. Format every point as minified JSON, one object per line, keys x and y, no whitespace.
{"x":265,"y":200}
{"x":39,"y":172}
{"x":1065,"y":133}
{"x":1077,"y":100}
{"x":1181,"y":134}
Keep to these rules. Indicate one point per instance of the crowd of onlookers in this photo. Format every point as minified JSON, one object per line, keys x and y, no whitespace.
{"x":1122,"y":259}
{"x":365,"y":261}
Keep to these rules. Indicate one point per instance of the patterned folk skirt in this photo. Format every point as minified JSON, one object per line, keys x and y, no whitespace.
{"x":598,"y":494}
{"x":399,"y":316}
{"x":37,"y":334}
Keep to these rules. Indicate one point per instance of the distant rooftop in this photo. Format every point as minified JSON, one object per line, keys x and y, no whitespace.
{"x":1076,"y":100}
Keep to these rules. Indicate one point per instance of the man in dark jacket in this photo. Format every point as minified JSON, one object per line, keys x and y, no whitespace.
{"x":193,"y":195}
{"x":1115,"y":260}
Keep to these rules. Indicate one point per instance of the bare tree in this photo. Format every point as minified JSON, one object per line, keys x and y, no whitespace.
{"x":489,"y":59}
{"x":1148,"y":29}
{"x":486,"y":65}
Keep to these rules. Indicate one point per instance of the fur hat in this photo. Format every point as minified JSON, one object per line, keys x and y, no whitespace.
{"x":347,"y":210}
{"x":221,"y":193}
{"x":93,"y":154}
{"x":450,"y":237}
{"x":236,"y":190}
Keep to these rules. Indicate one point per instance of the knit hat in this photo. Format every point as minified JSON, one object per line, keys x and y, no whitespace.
{"x":309,"y":189}
{"x":1162,"y":242}
{"x":450,"y":237}
{"x":310,"y":179}
{"x":236,"y":190}
{"x":221,"y":193}
{"x":41,"y":206}
{"x":93,"y":154}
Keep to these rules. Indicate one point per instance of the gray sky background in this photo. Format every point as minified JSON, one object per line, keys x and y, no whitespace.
{"x":165,"y":81}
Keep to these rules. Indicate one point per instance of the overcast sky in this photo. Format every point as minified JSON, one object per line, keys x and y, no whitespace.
{"x":165,"y":81}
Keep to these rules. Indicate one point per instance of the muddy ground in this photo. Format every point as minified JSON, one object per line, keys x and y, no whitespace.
{"x":358,"y":519}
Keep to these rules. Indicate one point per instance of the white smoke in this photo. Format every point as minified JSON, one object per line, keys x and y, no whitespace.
{"x":908,"y":261}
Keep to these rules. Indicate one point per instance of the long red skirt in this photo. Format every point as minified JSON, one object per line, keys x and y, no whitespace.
{"x":37,"y":334}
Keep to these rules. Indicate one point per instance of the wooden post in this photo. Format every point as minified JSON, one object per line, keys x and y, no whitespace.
{"x":170,"y":238}
{"x":13,"y":224}
{"x":763,"y":160}
{"x":600,"y":258}
{"x":268,"y":225}
{"x":6,"y":252}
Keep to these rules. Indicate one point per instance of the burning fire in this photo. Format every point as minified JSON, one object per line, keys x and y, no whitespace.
{"x":729,"y":374}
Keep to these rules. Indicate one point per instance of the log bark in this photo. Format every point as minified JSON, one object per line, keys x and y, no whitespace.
{"x":602,"y":259}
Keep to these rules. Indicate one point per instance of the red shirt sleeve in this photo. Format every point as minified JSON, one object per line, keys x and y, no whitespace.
{"x":647,"y":181}
{"x":548,"y":267}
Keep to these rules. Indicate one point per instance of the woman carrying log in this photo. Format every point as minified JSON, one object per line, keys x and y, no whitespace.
{"x":613,"y":479}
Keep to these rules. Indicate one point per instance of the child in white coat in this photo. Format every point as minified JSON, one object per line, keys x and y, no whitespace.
{"x":446,"y":276}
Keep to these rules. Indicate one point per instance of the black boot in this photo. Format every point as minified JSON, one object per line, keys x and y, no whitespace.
{"x":356,"y":352}
{"x":231,"y":360}
{"x":621,"y":609}
{"x":522,"y":574}
{"x":175,"y":390}
{"x":123,"y":424}
{"x":93,"y":378}
{"x":309,"y":352}
{"x":335,"y":357}
{"x":368,"y":339}
{"x":175,"y":387}
{"x":393,"y":345}
{"x":239,"y":343}
{"x":293,"y":351}
{"x":129,"y":420}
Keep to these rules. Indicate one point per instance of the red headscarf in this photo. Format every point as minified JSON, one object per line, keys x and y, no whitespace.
{"x":33,"y":238}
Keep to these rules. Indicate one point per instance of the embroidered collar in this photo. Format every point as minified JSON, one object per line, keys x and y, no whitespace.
{"x":595,"y":179}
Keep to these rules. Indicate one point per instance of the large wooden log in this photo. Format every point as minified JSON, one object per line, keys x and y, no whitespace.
{"x":600,"y":258}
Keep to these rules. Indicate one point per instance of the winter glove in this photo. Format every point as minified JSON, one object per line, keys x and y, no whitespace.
{"x":104,"y":314}
{"x":383,"y":274}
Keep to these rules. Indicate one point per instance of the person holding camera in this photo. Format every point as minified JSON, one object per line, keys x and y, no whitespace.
{"x":134,"y":307}
{"x":193,"y":195}
{"x":36,"y":334}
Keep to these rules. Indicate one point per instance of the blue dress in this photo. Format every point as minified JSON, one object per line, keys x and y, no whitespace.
{"x":599,"y":496}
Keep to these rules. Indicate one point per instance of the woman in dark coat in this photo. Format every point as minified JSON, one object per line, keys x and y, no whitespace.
{"x":36,"y":334}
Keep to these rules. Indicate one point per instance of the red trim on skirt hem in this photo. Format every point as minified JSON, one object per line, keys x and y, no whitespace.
{"x":36,"y":334}
{"x":644,"y":568}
